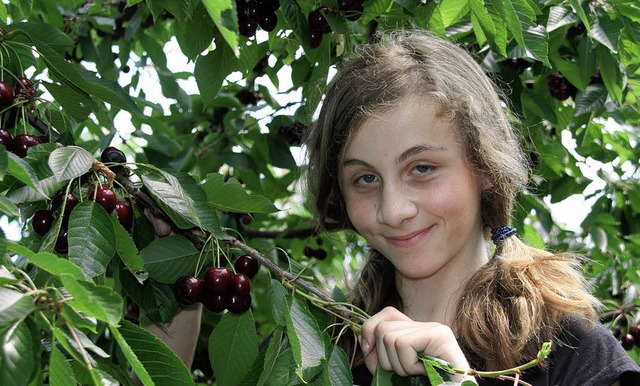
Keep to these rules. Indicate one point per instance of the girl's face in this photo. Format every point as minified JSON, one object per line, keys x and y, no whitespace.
{"x":410,"y":192}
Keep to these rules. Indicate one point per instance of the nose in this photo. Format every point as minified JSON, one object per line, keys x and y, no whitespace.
{"x":395,"y":206}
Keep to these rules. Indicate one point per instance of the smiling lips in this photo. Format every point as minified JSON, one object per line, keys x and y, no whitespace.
{"x":410,"y":239}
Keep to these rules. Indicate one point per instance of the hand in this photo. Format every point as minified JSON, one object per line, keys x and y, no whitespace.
{"x":393,"y":340}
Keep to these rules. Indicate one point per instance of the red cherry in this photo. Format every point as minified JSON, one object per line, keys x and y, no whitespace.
{"x":218,"y":280}
{"x":247,"y":265}
{"x":215,"y":302}
{"x":42,"y":221}
{"x":113,"y":158}
{"x":317,"y":21}
{"x":241,"y":284}
{"x":104,"y":196}
{"x":124,"y":213}
{"x":239,"y":303}
{"x":628,"y":341}
{"x":246,"y":219}
{"x":22,"y":142}
{"x":247,"y":28}
{"x":189,"y":290}
{"x":635,"y":331}
{"x":62,"y":242}
{"x":6,"y":139}
{"x":6,"y":93}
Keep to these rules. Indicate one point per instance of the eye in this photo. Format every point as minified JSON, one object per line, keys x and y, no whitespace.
{"x":422,"y":170}
{"x":366,"y":179}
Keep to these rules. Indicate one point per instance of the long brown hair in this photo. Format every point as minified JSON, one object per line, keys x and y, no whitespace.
{"x":523,"y":295}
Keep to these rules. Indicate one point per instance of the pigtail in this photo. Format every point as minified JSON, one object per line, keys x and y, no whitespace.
{"x":521,"y":298}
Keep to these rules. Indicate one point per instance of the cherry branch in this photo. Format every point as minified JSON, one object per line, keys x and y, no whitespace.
{"x":145,"y":200}
{"x":42,"y":127}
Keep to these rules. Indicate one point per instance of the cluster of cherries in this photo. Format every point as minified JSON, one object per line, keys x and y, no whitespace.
{"x":104,"y":195}
{"x":559,"y":87}
{"x":220,"y":289}
{"x":256,"y":13}
{"x":23,"y":90}
{"x":632,"y":338}
{"x":318,"y":25}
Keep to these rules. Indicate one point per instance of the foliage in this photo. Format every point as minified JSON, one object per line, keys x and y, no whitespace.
{"x":217,"y":159}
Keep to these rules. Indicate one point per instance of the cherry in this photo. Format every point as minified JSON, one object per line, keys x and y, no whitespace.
{"x":6,"y":139}
{"x":124,"y":213}
{"x":239,"y":303}
{"x":22,"y":142}
{"x":628,"y":341}
{"x":218,"y":279}
{"x":246,"y":219}
{"x":247,"y":265}
{"x":111,"y":156}
{"x":559,"y":87}
{"x":104,"y":196}
{"x":315,"y":38}
{"x":269,"y":22}
{"x":254,"y":11}
{"x":42,"y":221}
{"x":317,"y":21}
{"x":635,"y":331}
{"x":271,"y":5}
{"x":6,"y":93}
{"x":247,"y":28}
{"x":189,"y":290}
{"x":62,"y":242}
{"x":215,"y":302}
{"x":25,"y":88}
{"x":241,"y":284}
{"x":56,"y":202}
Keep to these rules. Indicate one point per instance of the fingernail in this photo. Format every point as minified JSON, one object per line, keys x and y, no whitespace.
{"x":365,"y":347}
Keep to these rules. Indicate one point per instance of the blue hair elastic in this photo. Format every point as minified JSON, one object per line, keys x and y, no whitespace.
{"x":501,"y":233}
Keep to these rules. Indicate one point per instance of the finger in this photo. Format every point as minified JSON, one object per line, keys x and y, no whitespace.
{"x":368,"y":338}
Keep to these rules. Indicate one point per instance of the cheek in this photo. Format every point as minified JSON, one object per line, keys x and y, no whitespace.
{"x":359,"y":212}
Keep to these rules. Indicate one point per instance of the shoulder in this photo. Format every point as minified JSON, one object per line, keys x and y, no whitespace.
{"x":588,"y":354}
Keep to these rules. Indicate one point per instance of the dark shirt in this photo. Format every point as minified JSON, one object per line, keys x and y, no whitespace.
{"x":585,"y":357}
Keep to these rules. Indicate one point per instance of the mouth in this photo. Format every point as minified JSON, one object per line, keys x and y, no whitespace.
{"x":409,"y":239}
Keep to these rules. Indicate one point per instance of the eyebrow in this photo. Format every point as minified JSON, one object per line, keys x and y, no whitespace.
{"x":413,"y":150}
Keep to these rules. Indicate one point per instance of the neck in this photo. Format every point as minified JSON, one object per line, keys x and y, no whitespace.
{"x":435,"y":298}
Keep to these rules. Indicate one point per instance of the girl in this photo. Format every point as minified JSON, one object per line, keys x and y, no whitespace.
{"x":413,"y":150}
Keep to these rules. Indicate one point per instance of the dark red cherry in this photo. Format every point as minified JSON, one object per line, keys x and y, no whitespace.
{"x":42,"y":221}
{"x":317,"y":21}
{"x":241,"y":284}
{"x":218,"y":279}
{"x":315,"y":39}
{"x":254,"y":11}
{"x":238,"y":304}
{"x":247,"y":28}
{"x":628,"y":341}
{"x":247,"y":265}
{"x":113,"y":157}
{"x":6,"y":93}
{"x":22,"y":142}
{"x":635,"y":331}
{"x":215,"y":302}
{"x":6,"y":139}
{"x":189,"y":290}
{"x":124,"y":213}
{"x":269,"y":22}
{"x":25,"y":88}
{"x":56,"y":202}
{"x":104,"y":196}
{"x":62,"y":242}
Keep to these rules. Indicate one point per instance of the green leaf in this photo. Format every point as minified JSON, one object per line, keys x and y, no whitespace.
{"x":14,"y":307}
{"x":70,"y":162}
{"x":230,"y":196}
{"x":8,"y":207}
{"x":91,"y":238}
{"x":558,"y":17}
{"x":272,"y":355}
{"x":304,"y":334}
{"x":45,"y":189}
{"x":17,"y":355}
{"x":110,"y":92}
{"x":197,"y":35}
{"x":168,"y":258}
{"x":339,"y":369}
{"x":182,"y":199}
{"x":54,"y":37}
{"x":132,"y":358}
{"x":159,"y":362}
{"x":94,"y":300}
{"x":592,"y":100}
{"x":224,"y":16}
{"x":57,"y":265}
{"x":75,"y":102}
{"x":211,"y":69}
{"x":233,"y":347}
{"x":610,"y":72}
{"x":452,"y":11}
{"x":157,"y":300}
{"x":382,"y":377}
{"x":607,"y":32}
{"x":127,"y":250}
{"x":277,"y":293}
{"x":60,"y":372}
{"x":4,"y":161}
{"x":22,"y":171}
